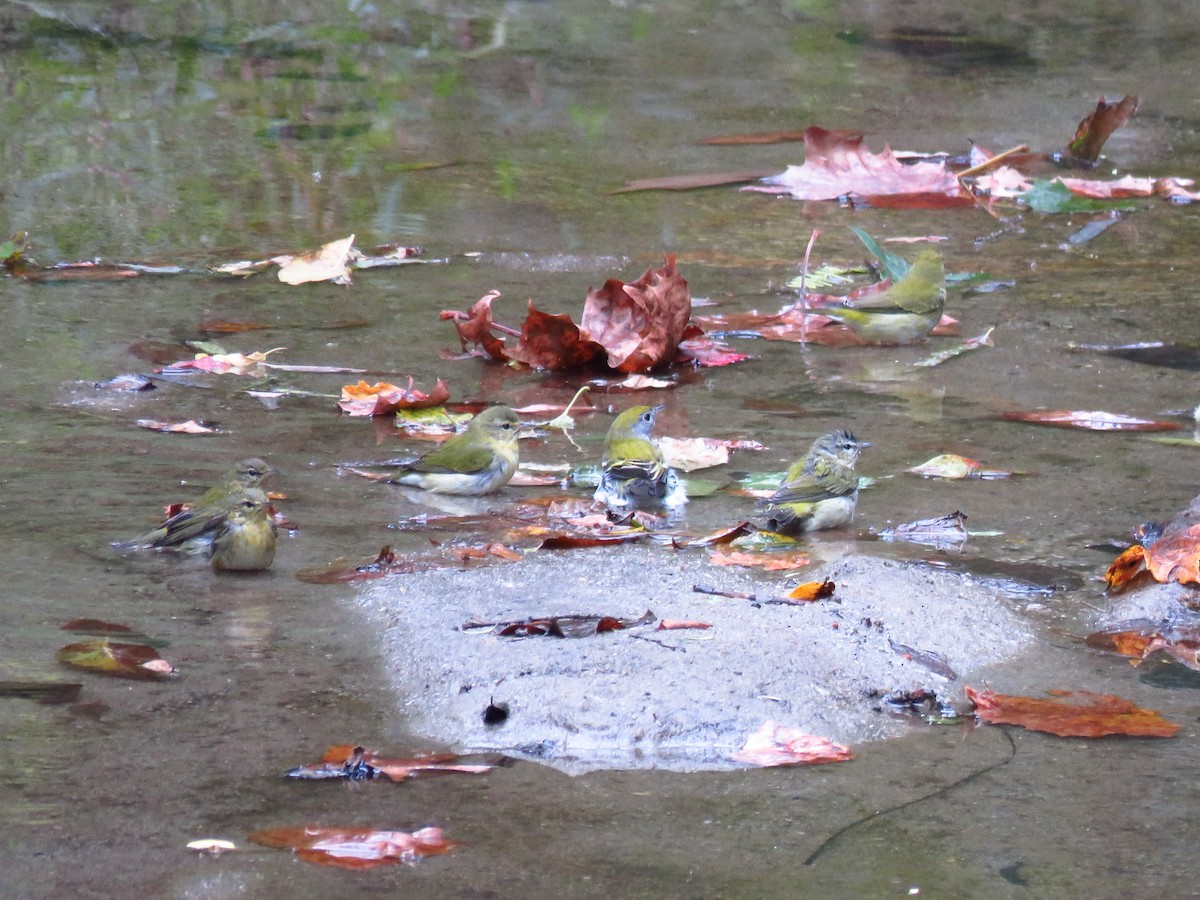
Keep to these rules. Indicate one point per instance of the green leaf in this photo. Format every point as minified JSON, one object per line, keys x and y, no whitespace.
{"x":1056,"y":197}
{"x":112,"y":658}
{"x":895,"y":267}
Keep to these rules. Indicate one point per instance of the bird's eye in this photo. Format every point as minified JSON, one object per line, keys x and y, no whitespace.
{"x":507,"y":426}
{"x":647,"y":417}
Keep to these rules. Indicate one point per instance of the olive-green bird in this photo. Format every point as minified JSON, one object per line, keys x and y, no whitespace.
{"x":905,"y":312}
{"x":480,"y":460}
{"x":245,"y":539}
{"x":196,"y":523}
{"x":819,"y":491}
{"x":633,"y":470}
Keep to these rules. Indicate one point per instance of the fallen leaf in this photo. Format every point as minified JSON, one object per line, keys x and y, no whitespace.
{"x":639,"y":324}
{"x":570,"y":626}
{"x":1176,"y":556}
{"x":329,"y":263}
{"x":708,"y":352}
{"x":951,"y":466}
{"x":1093,"y":420}
{"x":690,"y":454}
{"x":191,"y":426}
{"x":355,"y":848}
{"x":782,"y":745}
{"x":356,"y":763}
{"x":212,"y":846}
{"x":837,"y":164}
{"x":383,"y":399}
{"x":1126,"y":567}
{"x":1096,"y":127}
{"x":1073,"y":714}
{"x":772,"y":561}
{"x":942,"y":531}
{"x":691,"y":182}
{"x":227,"y":363}
{"x":112,"y":658}
{"x":812,"y":590}
{"x":676,"y":624}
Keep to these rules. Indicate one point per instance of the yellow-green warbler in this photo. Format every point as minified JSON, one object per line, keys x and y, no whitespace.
{"x":905,"y":312}
{"x":481,"y":459}
{"x":245,"y":539}
{"x":633,"y":471}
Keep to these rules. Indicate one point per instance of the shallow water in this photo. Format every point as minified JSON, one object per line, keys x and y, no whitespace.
{"x":133,"y":135}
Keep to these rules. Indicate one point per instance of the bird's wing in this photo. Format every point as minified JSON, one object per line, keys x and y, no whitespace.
{"x":808,"y":489}
{"x":466,"y":462}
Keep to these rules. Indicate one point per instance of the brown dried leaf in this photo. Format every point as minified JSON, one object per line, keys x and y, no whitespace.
{"x":639,"y":324}
{"x":1074,"y":714}
{"x":383,"y":399}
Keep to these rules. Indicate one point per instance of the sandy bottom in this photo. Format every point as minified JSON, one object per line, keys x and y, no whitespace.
{"x":681,"y":700}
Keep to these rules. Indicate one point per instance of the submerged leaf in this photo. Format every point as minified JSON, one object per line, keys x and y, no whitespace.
{"x":111,"y":658}
{"x":356,"y":848}
{"x":782,"y":745}
{"x":570,"y":626}
{"x":1093,"y":420}
{"x":1073,"y":714}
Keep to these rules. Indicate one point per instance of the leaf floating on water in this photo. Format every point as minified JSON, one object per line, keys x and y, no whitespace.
{"x":951,"y":466}
{"x":191,"y":426}
{"x":1093,"y":420}
{"x":111,"y":658}
{"x":227,"y":363}
{"x":1073,"y":714}
{"x":212,"y":846}
{"x":942,"y":531}
{"x":356,"y":848}
{"x":966,"y":346}
{"x":384,"y":399}
{"x":329,"y":263}
{"x":690,"y":454}
{"x":782,"y":745}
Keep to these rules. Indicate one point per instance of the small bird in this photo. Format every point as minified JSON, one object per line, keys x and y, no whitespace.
{"x":633,"y":470}
{"x":480,"y":460}
{"x":905,"y":312}
{"x":245,"y":539}
{"x":819,"y":491}
{"x":196,"y":522}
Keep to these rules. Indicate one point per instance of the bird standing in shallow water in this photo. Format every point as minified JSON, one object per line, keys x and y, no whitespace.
{"x":480,"y":460}
{"x":819,"y":491}
{"x":196,"y":523}
{"x":905,"y":312}
{"x":633,"y":470}
{"x":245,"y":540}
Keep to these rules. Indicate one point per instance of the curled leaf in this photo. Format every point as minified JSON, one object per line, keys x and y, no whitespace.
{"x":782,"y":745}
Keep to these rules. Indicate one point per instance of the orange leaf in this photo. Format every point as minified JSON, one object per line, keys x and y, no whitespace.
{"x":1126,"y":567}
{"x":676,"y":624}
{"x":1076,"y":714}
{"x":1175,"y":557}
{"x":812,"y":590}
{"x":780,"y":745}
{"x":383,"y":399}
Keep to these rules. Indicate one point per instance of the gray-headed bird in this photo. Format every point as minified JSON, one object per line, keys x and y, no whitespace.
{"x":819,"y":491}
